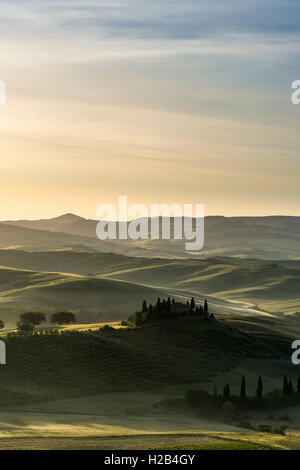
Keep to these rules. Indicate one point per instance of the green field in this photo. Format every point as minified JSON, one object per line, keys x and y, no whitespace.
{"x":84,"y":387}
{"x":73,"y":389}
{"x":177,"y":352}
{"x":107,"y":287}
{"x":238,"y":445}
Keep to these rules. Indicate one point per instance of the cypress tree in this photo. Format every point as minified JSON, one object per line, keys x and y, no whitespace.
{"x":205,"y":308}
{"x":169,"y":305}
{"x":298,"y":384}
{"x":226,"y":392}
{"x":285,"y":388}
{"x":151,"y":313}
{"x":259,"y":390}
{"x":243,"y":388}
{"x":144,"y":306}
{"x":192,"y":303}
{"x":139,"y":319}
{"x":291,"y":388}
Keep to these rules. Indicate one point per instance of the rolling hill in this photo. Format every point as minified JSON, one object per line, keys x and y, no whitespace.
{"x":105,"y":286}
{"x":55,"y":380}
{"x":184,"y":351}
{"x":91,"y":298}
{"x":18,"y":237}
{"x":274,"y":237}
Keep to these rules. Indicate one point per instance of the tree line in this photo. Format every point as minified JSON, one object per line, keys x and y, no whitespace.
{"x":287,"y":388}
{"x":211,"y":405}
{"x":30,"y":320}
{"x":168,"y":309}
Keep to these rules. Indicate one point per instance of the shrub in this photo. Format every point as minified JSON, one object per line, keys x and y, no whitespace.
{"x":35,"y":318}
{"x":25,"y":328}
{"x":229,"y":411}
{"x":245,"y":424}
{"x":284,"y":417}
{"x":265,"y":428}
{"x":205,"y":404}
{"x":63,"y":318}
{"x":106,"y":329}
{"x":280,"y":429}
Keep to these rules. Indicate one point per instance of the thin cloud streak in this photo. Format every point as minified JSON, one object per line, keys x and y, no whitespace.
{"x":181,"y":99}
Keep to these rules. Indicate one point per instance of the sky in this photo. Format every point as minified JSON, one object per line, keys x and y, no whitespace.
{"x":164,"y":101}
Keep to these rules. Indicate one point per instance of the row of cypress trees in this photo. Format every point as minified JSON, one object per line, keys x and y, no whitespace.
{"x":287,"y":388}
{"x":166,"y":309}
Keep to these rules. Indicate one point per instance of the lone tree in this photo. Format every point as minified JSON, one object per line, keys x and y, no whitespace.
{"x":259,"y":390}
{"x":291,"y":388}
{"x":243,"y":388}
{"x":25,"y":327}
{"x":285,"y":388}
{"x":139,"y":319}
{"x":205,"y":307}
{"x":35,"y":318}
{"x":28,"y":321}
{"x":150,"y":312}
{"x":226,"y":392}
{"x":1,"y":324}
{"x":63,"y":318}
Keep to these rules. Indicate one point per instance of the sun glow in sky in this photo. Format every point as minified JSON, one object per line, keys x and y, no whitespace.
{"x":161,"y":100}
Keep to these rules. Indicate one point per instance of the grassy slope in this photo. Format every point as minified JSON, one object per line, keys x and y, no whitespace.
{"x":270,"y":288}
{"x":264,"y":237}
{"x":75,"y":262}
{"x":107,"y":299}
{"x":237,"y":445}
{"x":151,"y":363}
{"x":135,"y":442}
{"x":38,"y":240}
{"x":130,"y":359}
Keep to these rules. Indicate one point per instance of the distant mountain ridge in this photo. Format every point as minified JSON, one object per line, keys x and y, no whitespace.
{"x":55,"y":224}
{"x":269,"y":237}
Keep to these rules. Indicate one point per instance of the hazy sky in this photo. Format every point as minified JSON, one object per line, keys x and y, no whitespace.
{"x":160,"y":100}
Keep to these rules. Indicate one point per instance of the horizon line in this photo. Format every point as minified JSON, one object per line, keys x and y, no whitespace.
{"x":135,"y":218}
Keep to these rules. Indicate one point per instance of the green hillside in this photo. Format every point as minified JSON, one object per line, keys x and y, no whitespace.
{"x":184,"y":351}
{"x":270,"y":286}
{"x":105,"y":299}
{"x":251,"y":237}
{"x":93,"y":283}
{"x":71,"y":261}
